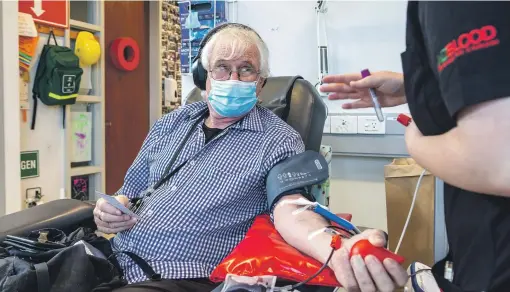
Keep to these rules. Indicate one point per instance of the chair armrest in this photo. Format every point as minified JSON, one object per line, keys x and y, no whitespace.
{"x":65,"y":214}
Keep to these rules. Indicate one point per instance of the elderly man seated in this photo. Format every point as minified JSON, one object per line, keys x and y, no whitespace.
{"x":201,"y":176}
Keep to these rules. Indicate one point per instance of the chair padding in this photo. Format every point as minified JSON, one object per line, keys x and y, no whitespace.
{"x":194,"y":95}
{"x":65,"y":214}
{"x":277,"y":93}
{"x":298,"y":103}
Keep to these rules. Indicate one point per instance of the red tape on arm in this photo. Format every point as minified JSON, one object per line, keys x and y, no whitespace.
{"x":336,"y":242}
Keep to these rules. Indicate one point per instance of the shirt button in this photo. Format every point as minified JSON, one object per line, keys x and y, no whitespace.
{"x":173,"y":189}
{"x":131,"y":244}
{"x":192,"y":162}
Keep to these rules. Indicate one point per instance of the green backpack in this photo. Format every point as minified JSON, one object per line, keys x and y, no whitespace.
{"x":57,"y":79}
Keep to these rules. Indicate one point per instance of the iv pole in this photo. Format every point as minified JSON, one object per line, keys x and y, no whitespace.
{"x":322,"y":43}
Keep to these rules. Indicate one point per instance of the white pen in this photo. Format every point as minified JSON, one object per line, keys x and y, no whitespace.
{"x":377,"y":106}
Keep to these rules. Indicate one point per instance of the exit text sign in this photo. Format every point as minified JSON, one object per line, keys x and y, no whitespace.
{"x":29,"y":164}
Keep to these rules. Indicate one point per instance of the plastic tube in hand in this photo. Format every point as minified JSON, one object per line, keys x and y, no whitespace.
{"x":405,"y":120}
{"x":377,"y":105}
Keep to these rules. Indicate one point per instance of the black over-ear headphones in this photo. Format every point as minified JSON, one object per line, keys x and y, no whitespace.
{"x":198,"y":71}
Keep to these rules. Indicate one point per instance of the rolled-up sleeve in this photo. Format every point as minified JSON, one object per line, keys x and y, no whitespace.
{"x":292,"y":145}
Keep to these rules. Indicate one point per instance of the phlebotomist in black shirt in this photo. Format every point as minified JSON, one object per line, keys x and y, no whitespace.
{"x":457,"y":83}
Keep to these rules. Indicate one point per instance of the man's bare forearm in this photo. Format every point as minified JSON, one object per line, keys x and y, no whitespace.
{"x":295,"y":229}
{"x":474,"y":155}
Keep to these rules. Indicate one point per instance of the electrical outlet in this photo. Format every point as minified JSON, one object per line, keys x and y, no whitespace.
{"x":33,"y":193}
{"x":344,"y":124}
{"x":327,"y":125}
{"x":371,"y":125}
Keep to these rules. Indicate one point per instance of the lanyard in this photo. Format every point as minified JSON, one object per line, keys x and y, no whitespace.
{"x":137,"y":203}
{"x":168,"y":174}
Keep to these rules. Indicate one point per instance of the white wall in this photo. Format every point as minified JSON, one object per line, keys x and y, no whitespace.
{"x":10,"y":199}
{"x":47,"y":138}
{"x":360,"y":35}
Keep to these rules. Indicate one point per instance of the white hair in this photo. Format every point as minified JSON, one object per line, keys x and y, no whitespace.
{"x":240,"y":39}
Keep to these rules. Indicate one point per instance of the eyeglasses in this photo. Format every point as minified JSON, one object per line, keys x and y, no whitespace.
{"x":245,"y":73}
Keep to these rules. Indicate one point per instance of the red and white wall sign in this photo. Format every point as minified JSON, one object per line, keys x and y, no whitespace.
{"x":50,"y":12}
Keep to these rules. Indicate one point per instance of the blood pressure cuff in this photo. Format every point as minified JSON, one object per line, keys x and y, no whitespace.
{"x":294,"y":174}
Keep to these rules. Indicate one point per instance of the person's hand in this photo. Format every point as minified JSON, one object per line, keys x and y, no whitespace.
{"x":109,"y":219}
{"x":389,"y":88}
{"x":356,"y":274}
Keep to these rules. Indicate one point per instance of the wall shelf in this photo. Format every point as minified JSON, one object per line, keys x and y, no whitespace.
{"x":85,"y":26}
{"x":86,"y":170}
{"x":95,"y":104}
{"x":89,"y":99}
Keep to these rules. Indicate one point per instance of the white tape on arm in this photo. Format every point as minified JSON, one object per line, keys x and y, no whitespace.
{"x":297,"y":202}
{"x":315,"y":233}
{"x":300,"y":202}
{"x":327,"y":230}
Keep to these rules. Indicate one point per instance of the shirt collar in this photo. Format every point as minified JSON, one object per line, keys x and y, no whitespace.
{"x":252,"y":121}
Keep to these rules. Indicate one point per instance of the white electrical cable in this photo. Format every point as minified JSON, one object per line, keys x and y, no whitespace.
{"x":235,"y":11}
{"x":214,"y":17}
{"x":410,"y":210}
{"x":325,"y":29}
{"x":322,"y":42}
{"x":319,"y":44}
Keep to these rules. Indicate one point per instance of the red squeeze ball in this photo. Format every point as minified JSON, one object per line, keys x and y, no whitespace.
{"x":404,"y":119}
{"x":364,"y":248}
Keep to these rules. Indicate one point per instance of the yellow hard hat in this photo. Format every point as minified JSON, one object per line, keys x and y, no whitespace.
{"x":87,"y":48}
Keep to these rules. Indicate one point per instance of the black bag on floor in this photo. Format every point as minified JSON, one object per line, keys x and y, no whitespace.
{"x":73,"y":264}
{"x":48,"y":260}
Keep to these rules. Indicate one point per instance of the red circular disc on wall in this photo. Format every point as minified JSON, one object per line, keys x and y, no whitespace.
{"x":125,"y":54}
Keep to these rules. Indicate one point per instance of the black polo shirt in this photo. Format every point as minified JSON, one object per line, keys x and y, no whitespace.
{"x":458,"y":55}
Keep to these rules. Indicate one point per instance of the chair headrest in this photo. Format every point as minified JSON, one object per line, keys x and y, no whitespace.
{"x":276,"y":94}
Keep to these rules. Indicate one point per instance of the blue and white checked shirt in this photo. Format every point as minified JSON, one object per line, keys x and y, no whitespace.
{"x":199,"y":215}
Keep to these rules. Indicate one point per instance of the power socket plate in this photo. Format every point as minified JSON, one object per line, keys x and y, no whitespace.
{"x":327,"y":125}
{"x":371,"y":125}
{"x":344,"y":124}
{"x":32,"y":193}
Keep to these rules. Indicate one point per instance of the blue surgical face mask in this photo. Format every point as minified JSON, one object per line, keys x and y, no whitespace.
{"x":232,"y":98}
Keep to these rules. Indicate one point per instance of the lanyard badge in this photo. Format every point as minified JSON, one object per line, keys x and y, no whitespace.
{"x":137,"y":203}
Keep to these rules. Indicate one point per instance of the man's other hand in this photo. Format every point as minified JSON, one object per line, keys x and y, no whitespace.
{"x":109,"y":219}
{"x":369,"y":274}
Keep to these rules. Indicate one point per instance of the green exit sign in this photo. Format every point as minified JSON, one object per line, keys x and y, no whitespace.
{"x":29,"y":164}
